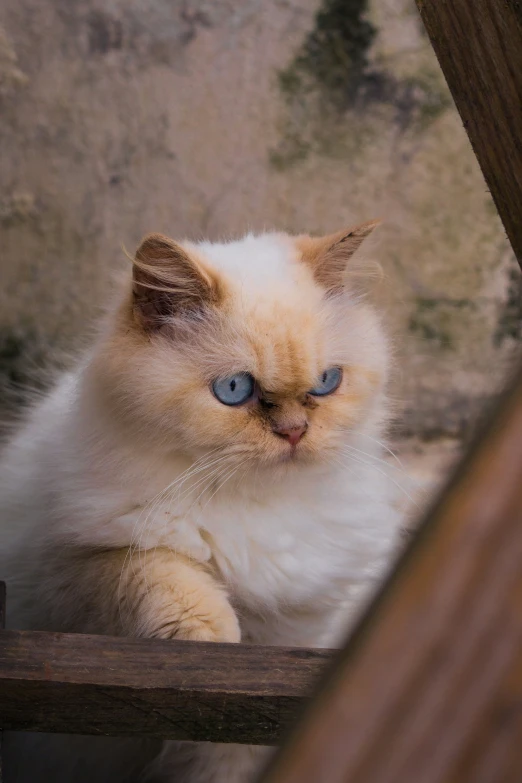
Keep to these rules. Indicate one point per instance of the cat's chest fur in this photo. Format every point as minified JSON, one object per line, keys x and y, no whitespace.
{"x":285,"y":546}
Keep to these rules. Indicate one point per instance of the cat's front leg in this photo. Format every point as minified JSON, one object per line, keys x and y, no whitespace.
{"x":155,"y":593}
{"x":169,"y":596}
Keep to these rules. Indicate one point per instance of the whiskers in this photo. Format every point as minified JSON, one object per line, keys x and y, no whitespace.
{"x":384,"y":447}
{"x":202,"y":480}
{"x":350,"y":457}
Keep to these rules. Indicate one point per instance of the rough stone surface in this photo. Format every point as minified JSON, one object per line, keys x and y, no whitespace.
{"x":199,"y":118}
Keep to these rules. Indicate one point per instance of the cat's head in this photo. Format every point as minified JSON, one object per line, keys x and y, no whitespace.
{"x":256,"y":349}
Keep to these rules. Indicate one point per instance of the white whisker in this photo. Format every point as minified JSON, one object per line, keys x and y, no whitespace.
{"x":360,"y":461}
{"x":383,"y":446}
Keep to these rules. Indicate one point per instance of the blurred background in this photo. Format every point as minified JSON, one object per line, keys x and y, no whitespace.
{"x":206,"y":119}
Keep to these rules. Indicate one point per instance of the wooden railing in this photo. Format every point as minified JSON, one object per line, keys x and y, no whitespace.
{"x":429,"y":686}
{"x":104,"y":685}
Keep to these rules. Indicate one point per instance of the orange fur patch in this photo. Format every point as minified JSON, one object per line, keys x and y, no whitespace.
{"x":328,"y":256}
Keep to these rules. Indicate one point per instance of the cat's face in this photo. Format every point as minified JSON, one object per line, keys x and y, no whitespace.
{"x":251,"y":350}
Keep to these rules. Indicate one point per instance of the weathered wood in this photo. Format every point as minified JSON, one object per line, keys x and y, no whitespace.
{"x":429,"y":688}
{"x":79,"y":684}
{"x":479,"y":47}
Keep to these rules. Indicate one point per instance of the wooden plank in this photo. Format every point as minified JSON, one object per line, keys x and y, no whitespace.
{"x":79,"y":684}
{"x":429,"y":687}
{"x":479,"y":47}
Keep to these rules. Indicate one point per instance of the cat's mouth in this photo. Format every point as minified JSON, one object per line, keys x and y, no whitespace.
{"x":292,"y":454}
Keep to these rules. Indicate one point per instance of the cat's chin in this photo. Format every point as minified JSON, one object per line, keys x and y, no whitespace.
{"x":293,"y":456}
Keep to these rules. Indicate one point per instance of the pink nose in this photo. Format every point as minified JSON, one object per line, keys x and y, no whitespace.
{"x":292,"y":434}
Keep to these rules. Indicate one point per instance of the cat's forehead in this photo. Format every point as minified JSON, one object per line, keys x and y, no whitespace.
{"x":264,"y":281}
{"x":276,"y":321}
{"x":286,"y":344}
{"x":254,"y":262}
{"x":287,"y":361}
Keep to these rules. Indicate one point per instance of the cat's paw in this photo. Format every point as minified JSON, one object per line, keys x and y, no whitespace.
{"x":178,"y":599}
{"x":188,"y":604}
{"x":220,"y":626}
{"x":195,"y":624}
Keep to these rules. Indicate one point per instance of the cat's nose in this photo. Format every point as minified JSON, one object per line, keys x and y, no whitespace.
{"x":292,"y":434}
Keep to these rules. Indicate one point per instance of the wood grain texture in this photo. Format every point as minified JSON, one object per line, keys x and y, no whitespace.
{"x":429,"y":688}
{"x":79,"y":684}
{"x":479,"y":46}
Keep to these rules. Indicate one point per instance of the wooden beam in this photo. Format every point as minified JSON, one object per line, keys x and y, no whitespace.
{"x":479,"y":47}
{"x":79,"y":684}
{"x":429,"y":687}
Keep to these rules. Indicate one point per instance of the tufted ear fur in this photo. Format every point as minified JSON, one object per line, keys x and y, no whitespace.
{"x":167,"y":280}
{"x":328,"y":256}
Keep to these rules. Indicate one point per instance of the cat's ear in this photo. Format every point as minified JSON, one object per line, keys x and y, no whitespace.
{"x":328,"y":256}
{"x":168,"y":281}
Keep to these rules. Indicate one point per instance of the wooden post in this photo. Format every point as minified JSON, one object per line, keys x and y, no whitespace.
{"x":479,"y":47}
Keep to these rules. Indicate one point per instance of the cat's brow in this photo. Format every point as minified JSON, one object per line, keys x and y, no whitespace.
{"x":288,"y":388}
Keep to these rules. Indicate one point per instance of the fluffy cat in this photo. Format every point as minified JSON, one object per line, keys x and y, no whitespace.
{"x":211,"y":471}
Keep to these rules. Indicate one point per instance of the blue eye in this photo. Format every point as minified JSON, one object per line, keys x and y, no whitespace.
{"x":235,"y":389}
{"x":330,"y":381}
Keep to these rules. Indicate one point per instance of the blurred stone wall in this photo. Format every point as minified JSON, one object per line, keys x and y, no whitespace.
{"x":207,"y":118}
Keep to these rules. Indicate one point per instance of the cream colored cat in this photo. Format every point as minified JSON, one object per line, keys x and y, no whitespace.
{"x":211,"y":471}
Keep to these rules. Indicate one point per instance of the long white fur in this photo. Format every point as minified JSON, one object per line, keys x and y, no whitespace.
{"x":298,"y":553}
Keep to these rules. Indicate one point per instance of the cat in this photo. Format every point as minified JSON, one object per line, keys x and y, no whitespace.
{"x":212,"y":470}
